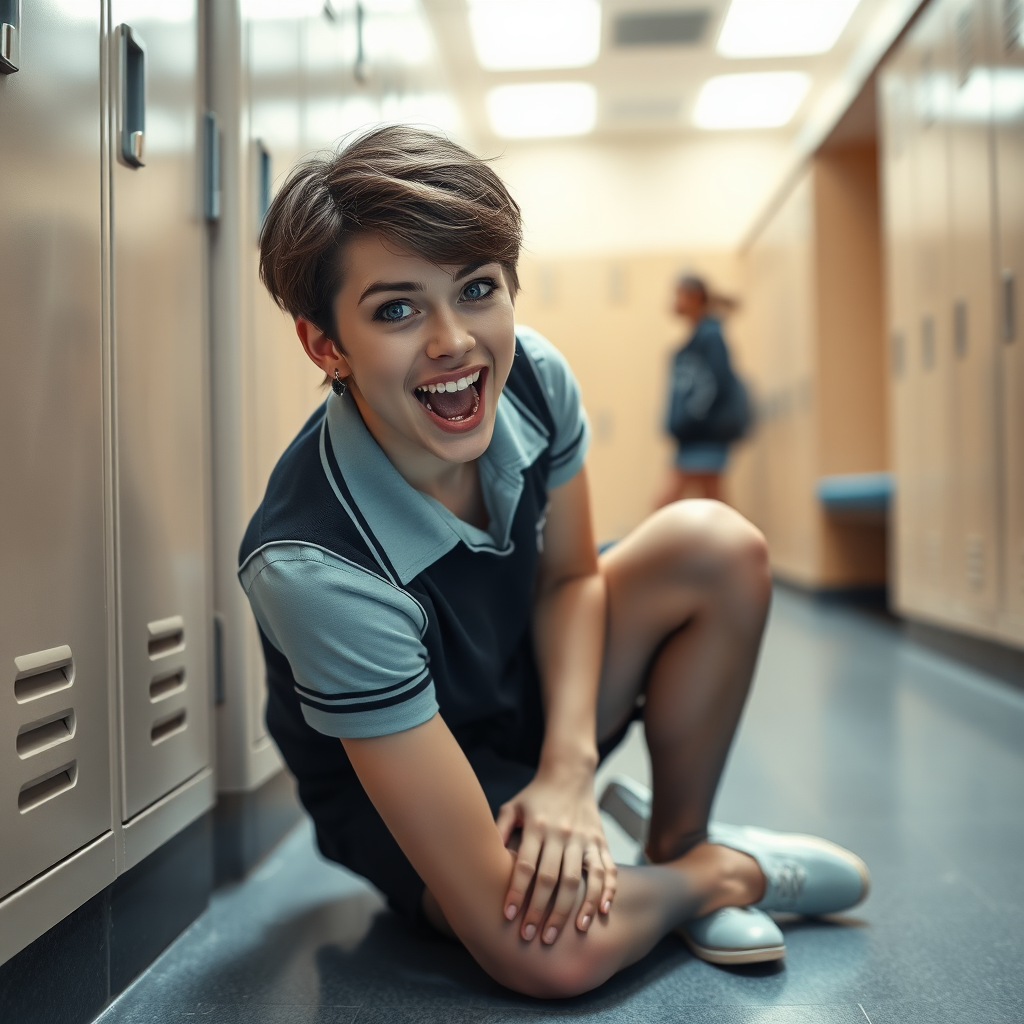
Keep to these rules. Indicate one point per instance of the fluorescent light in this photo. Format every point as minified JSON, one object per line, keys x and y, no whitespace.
{"x":516,"y":35}
{"x":542,"y":109}
{"x":783,"y":28}
{"x":766,"y":99}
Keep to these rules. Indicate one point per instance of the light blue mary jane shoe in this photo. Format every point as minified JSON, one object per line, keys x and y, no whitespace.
{"x":733,"y":936}
{"x":804,"y":874}
{"x":730,"y":936}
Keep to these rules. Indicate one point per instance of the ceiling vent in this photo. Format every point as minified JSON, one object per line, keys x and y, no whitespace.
{"x":661,"y":28}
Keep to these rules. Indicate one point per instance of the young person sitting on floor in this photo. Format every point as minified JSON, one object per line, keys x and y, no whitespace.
{"x":448,"y":658}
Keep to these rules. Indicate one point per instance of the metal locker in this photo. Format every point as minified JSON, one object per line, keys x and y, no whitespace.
{"x":264,"y":387}
{"x":1007,"y":49}
{"x":55,"y":766}
{"x":160,"y":382}
{"x":974,"y":544}
{"x":896,"y":153}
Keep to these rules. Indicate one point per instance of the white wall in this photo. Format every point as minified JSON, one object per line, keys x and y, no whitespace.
{"x":592,"y":197}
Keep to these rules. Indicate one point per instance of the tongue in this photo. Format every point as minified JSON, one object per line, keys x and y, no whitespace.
{"x":451,"y":404}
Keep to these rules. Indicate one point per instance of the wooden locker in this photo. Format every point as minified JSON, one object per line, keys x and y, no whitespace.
{"x":930,"y":336}
{"x":896,"y":156}
{"x":1006,"y":40}
{"x":973,"y":543}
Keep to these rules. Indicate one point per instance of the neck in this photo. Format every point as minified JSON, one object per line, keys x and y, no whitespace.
{"x":450,"y":483}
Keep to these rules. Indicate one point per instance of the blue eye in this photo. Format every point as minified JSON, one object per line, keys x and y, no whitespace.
{"x":477,"y":290}
{"x":394,"y":311}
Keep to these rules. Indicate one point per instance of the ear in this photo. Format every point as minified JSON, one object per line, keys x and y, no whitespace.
{"x":324,"y":352}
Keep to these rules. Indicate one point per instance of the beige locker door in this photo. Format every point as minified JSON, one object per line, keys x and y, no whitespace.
{"x":974,"y":544}
{"x":55,"y":771}
{"x":1007,"y":42}
{"x":160,"y":360}
{"x":928,"y":362}
{"x":896,"y":153}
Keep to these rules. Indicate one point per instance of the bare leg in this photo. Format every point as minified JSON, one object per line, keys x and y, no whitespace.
{"x":688,"y":595}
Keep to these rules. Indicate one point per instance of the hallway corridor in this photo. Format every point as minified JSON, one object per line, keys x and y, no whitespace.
{"x":853,"y":732}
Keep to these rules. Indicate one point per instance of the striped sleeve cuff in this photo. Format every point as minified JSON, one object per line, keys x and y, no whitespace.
{"x":368,"y":713}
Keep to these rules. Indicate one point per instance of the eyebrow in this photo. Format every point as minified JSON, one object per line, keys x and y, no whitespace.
{"x":416,"y":286}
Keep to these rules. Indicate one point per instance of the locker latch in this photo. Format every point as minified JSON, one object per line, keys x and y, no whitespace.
{"x":10,"y":36}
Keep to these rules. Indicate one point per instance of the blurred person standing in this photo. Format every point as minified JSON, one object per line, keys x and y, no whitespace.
{"x":708,"y":406}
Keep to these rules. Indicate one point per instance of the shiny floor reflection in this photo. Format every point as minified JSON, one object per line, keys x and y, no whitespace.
{"x":853,"y":733}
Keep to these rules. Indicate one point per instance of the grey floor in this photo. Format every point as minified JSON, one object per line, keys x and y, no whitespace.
{"x":853,"y":733}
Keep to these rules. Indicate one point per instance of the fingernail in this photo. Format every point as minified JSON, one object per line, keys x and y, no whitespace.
{"x":606,"y":906}
{"x":586,"y":922}
{"x":551,"y":934}
{"x":510,"y":911}
{"x":529,"y":931}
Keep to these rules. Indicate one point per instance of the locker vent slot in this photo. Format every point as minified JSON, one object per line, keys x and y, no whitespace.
{"x":167,"y":686}
{"x":47,"y":787}
{"x":43,"y":673}
{"x":167,"y":728}
{"x":166,"y":636}
{"x":42,"y":735}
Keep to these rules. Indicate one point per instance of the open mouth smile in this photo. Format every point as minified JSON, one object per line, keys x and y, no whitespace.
{"x":454,"y":403}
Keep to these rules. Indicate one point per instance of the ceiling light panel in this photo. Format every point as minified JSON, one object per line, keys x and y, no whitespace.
{"x":542,"y":109}
{"x":783,"y":28}
{"x":661,"y":28}
{"x":767,"y":99}
{"x":530,"y":35}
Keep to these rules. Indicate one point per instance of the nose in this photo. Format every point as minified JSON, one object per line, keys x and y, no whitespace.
{"x":448,"y":336}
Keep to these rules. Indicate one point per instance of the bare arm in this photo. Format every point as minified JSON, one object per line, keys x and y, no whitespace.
{"x":425,"y":790}
{"x":562,"y":837}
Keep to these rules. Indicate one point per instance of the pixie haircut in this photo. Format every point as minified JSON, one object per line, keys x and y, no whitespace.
{"x":417,"y":190}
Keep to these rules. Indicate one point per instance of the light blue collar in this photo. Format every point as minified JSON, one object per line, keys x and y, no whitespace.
{"x":414,"y":529}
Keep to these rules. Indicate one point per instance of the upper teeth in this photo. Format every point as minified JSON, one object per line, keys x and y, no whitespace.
{"x":451,"y":385}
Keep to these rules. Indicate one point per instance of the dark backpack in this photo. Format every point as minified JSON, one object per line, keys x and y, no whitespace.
{"x":708,"y":401}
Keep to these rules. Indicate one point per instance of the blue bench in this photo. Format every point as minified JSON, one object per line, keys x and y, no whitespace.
{"x":857,"y":492}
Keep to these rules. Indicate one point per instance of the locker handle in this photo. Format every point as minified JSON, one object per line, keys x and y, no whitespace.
{"x":10,"y":36}
{"x":264,"y":177}
{"x":1009,"y":306}
{"x":211,"y":167}
{"x":132,"y":102}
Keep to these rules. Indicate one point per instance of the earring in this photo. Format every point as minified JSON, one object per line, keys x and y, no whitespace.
{"x":338,"y":386}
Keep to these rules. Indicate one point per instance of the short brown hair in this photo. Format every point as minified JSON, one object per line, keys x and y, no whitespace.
{"x":416,"y":189}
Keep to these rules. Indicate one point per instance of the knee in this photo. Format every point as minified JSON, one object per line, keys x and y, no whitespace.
{"x":547,"y":976}
{"x":714,"y":541}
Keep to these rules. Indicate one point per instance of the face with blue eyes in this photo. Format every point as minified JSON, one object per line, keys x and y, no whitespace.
{"x":425,"y":351}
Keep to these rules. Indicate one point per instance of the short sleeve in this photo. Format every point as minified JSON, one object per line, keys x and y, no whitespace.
{"x":354,"y":641}
{"x":572,"y":432}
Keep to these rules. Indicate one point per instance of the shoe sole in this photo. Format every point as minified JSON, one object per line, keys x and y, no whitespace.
{"x":732,"y":957}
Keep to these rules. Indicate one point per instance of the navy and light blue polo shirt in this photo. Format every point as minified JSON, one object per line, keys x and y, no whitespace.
{"x":377,"y":606}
